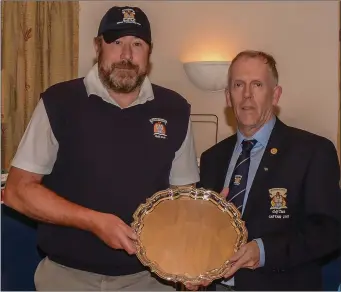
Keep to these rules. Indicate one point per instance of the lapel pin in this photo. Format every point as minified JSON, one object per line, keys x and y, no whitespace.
{"x":266,"y":169}
{"x":273,"y":151}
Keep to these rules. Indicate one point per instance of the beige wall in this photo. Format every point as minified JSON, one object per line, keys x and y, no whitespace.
{"x":303,"y":37}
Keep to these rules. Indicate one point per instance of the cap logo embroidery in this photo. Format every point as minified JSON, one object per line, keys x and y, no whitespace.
{"x":128,"y":16}
{"x":159,"y":128}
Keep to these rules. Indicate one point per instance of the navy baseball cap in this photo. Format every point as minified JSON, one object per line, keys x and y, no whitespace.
{"x":125,"y":21}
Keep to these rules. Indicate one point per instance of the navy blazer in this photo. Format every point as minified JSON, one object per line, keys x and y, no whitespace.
{"x":296,"y":237}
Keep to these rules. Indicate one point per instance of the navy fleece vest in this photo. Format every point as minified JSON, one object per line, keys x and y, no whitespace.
{"x":110,"y":160}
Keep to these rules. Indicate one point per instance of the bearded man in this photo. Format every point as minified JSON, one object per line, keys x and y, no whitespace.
{"x":95,"y":149}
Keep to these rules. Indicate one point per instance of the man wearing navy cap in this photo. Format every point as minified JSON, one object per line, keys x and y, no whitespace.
{"x":95,"y":149}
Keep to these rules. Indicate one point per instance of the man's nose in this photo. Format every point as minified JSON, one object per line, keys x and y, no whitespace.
{"x":126,"y":53}
{"x":247,"y":92}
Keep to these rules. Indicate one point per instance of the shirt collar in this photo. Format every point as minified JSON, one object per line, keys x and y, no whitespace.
{"x":95,"y":86}
{"x":262,"y":135}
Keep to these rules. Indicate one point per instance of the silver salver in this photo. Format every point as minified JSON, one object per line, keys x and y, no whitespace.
{"x":186,"y":235}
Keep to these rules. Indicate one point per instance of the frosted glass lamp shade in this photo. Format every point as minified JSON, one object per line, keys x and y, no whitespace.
{"x":208,"y":75}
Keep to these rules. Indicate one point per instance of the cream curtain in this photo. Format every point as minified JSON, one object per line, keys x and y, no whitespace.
{"x":39,"y":49}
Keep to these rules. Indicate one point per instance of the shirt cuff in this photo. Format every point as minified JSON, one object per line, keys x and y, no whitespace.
{"x":261,"y":252}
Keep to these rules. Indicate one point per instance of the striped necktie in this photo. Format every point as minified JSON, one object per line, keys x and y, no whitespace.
{"x":237,"y":187}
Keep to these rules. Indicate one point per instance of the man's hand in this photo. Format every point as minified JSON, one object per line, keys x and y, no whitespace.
{"x":225,"y":192}
{"x":246,"y":257}
{"x":114,"y":232}
{"x":192,"y":287}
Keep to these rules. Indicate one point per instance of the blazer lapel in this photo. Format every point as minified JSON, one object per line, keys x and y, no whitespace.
{"x":272,"y":153}
{"x":224,"y":162}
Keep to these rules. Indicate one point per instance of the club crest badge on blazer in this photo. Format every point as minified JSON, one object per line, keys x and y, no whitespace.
{"x":278,"y":198}
{"x":278,"y":203}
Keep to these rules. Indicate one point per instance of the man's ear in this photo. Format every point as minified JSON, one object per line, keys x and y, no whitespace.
{"x":276,"y":95}
{"x":151,"y":48}
{"x":97,"y":46}
{"x":228,"y":97}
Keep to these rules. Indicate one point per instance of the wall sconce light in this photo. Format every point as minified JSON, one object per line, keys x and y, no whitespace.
{"x":208,"y":75}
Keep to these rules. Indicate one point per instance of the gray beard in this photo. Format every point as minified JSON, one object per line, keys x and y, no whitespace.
{"x":125,"y":84}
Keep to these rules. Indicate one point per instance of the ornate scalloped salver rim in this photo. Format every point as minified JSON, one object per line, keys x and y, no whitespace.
{"x":196,"y":194}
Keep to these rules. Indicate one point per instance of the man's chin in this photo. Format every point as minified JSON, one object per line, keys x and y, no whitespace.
{"x":248,"y":125}
{"x":125,"y":78}
{"x":126,"y":84}
{"x":248,"y":122}
{"x":125,"y":87}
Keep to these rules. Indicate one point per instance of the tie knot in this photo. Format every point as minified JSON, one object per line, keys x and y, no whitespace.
{"x":248,"y":144}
